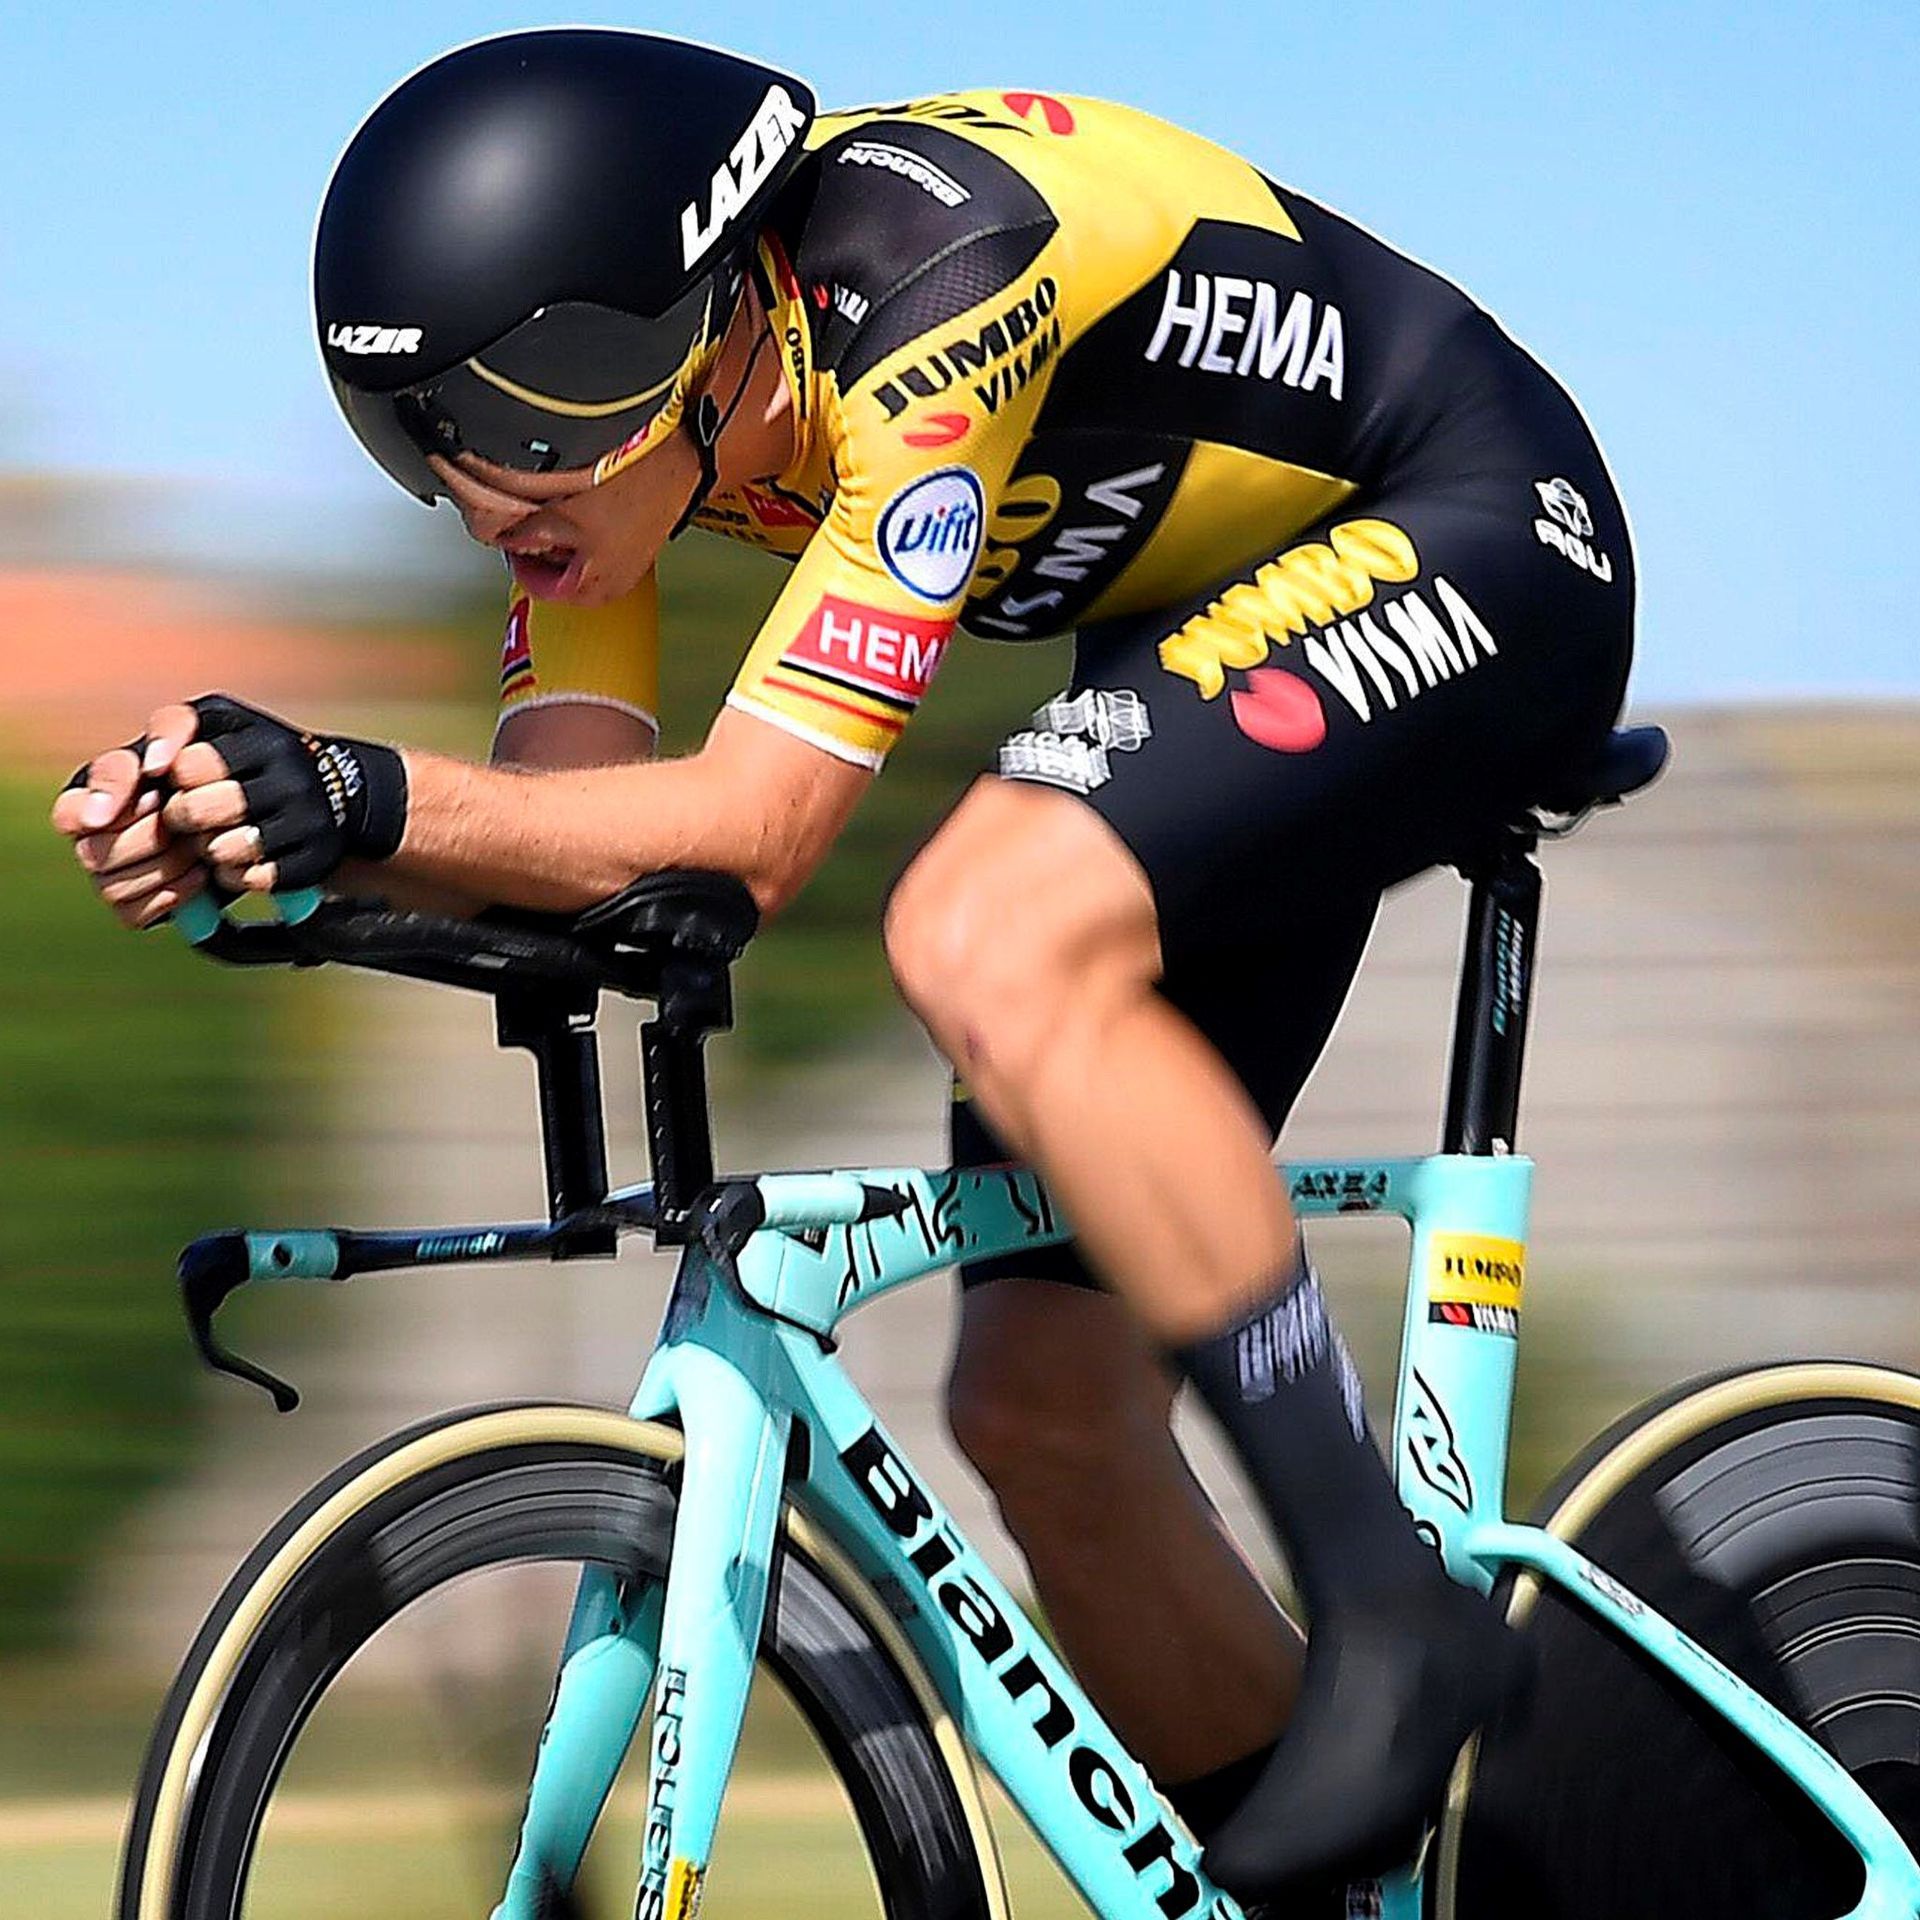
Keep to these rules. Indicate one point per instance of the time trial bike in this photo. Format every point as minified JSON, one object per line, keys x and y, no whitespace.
{"x":1722,"y":1592}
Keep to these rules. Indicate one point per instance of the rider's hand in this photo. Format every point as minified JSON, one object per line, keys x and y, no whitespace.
{"x":111,"y":811}
{"x":278,"y":807}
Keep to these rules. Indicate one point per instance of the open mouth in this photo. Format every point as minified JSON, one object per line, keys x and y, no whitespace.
{"x":554,"y":573}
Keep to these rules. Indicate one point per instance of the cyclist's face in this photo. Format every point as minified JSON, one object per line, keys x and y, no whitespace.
{"x":564,"y":537}
{"x":568,"y":539}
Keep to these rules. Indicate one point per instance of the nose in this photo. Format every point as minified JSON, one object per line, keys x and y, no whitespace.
{"x":489,"y":514}
{"x":493,"y":522}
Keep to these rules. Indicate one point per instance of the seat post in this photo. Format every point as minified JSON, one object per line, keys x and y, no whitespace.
{"x":1495,"y":997}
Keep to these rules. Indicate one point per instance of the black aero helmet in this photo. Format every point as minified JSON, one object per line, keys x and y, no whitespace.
{"x":532,"y":246}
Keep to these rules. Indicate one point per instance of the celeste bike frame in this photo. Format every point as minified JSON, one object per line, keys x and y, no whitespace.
{"x":745,"y":1367}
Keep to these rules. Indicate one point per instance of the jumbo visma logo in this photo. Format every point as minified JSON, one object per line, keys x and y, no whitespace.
{"x":929,"y":534}
{"x":1324,"y":593}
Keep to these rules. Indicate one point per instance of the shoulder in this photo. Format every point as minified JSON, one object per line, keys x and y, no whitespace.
{"x":925,"y":171}
{"x":899,"y":222}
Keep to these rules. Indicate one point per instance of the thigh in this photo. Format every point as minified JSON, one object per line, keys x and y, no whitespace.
{"x":1363,"y":705}
{"x":1269,"y":1007}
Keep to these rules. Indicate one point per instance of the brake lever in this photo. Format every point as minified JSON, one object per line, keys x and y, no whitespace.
{"x":213,"y":1267}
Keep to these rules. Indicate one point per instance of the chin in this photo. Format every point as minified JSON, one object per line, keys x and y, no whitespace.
{"x":601,"y":590}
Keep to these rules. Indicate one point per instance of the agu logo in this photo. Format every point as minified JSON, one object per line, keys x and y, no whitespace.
{"x":929,"y":534}
{"x":1569,"y":527}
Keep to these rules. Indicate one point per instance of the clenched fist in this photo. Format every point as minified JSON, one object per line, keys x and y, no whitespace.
{"x":217,"y":786}
{"x":112,"y":812}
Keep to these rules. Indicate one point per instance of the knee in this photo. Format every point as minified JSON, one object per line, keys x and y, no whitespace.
{"x":1021,"y":924}
{"x":999,"y":965}
{"x":961,"y":955}
{"x":934,"y":932}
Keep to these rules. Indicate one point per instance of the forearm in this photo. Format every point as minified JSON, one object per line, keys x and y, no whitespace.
{"x":555,"y":841}
{"x":540,"y":739}
{"x":560,"y":840}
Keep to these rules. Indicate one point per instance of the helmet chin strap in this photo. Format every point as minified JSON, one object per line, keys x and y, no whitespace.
{"x":706,"y":424}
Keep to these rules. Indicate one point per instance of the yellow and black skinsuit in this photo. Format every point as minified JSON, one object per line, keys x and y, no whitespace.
{"x":1348,"y":577}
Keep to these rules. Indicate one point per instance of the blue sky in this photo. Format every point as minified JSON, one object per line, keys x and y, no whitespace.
{"x":1702,"y":217}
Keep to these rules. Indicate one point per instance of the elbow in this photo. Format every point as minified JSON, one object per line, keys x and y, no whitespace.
{"x":787,"y":853}
{"x":774,"y":885}
{"x":772,"y":809}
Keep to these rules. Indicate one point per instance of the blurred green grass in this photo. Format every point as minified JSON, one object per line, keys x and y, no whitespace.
{"x":394,"y":1803}
{"x":136,"y":1086}
{"x":803,"y":1867}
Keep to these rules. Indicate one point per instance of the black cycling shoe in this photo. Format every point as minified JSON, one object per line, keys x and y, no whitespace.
{"x":1392,"y":1692}
{"x":1328,"y":1902}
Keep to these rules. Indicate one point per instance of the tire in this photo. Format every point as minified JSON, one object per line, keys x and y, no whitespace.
{"x":1775,"y":1516}
{"x":514,"y":1485}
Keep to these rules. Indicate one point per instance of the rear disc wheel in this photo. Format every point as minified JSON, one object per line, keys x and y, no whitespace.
{"x":1774,"y":1515}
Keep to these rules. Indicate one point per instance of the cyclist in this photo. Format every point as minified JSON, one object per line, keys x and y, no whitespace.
{"x":1350,"y":583}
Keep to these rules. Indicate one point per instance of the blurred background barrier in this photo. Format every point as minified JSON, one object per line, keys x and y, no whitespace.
{"x":1724,"y":1090}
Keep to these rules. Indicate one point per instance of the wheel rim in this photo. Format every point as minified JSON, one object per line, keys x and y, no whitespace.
{"x":1776,"y":1518}
{"x":344,"y":1542}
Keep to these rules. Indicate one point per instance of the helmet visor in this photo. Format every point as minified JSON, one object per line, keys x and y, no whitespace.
{"x":565,"y":387}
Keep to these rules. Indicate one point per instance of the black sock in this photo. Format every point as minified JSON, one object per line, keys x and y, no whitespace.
{"x":1283,"y":1388}
{"x":1402,"y":1664}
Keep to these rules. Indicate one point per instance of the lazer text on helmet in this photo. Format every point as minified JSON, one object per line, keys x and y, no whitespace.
{"x":344,"y":339}
{"x":768,"y":135}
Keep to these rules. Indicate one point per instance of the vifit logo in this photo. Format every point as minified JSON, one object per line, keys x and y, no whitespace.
{"x":929,"y":533}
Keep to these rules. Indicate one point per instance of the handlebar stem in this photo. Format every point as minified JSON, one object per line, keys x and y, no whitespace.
{"x":559,"y":1031}
{"x":695,"y":1000}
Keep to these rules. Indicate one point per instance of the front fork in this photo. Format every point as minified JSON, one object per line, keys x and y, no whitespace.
{"x":723,"y":1547}
{"x":693,"y":1642}
{"x":608,"y":1666}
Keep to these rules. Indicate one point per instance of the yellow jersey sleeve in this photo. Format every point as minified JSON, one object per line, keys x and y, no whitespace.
{"x":609,"y":656}
{"x":852,"y":644}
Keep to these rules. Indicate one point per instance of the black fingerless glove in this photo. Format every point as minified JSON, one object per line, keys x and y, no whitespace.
{"x":317,"y":799}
